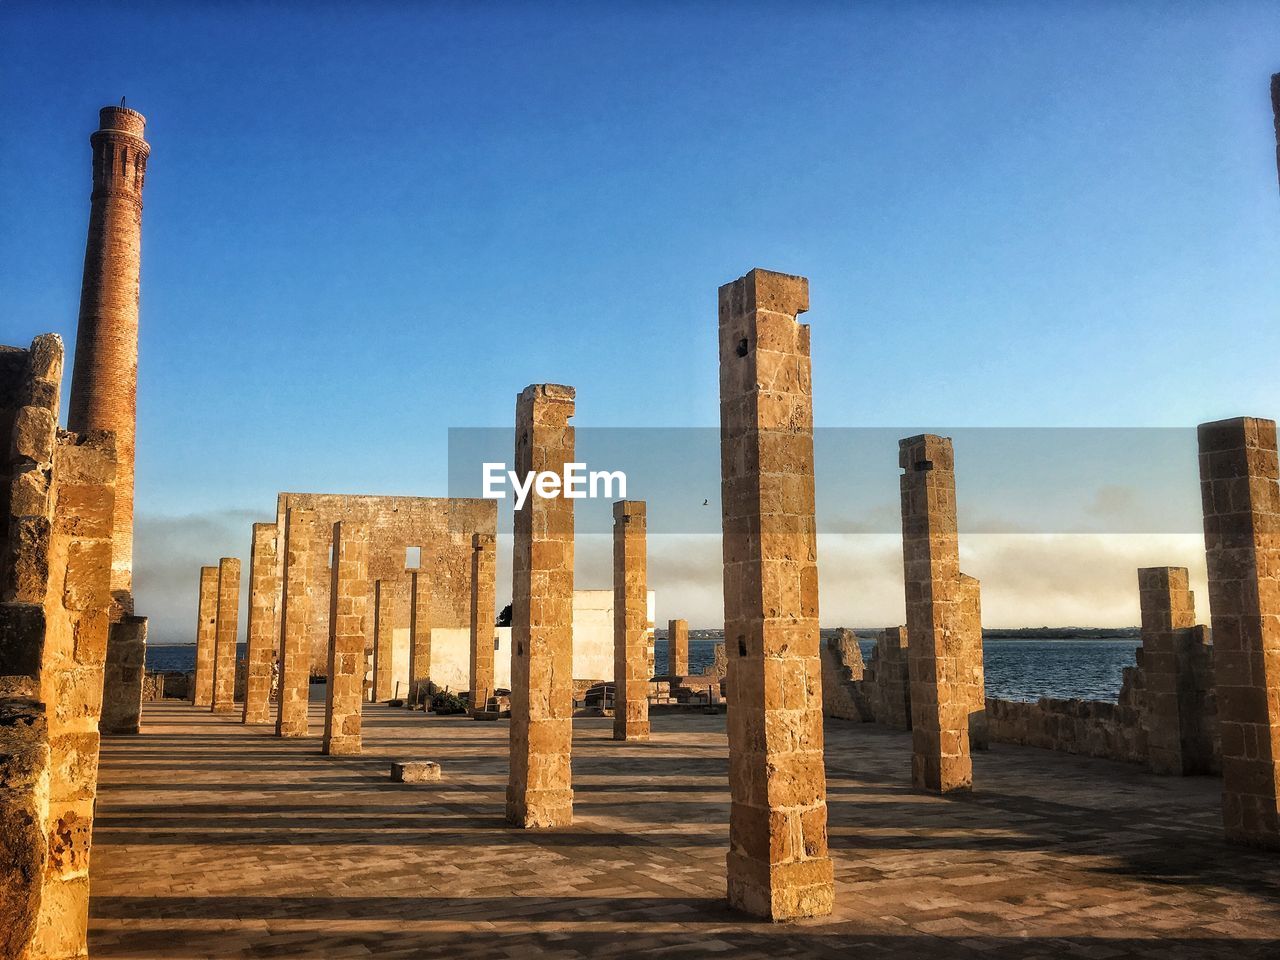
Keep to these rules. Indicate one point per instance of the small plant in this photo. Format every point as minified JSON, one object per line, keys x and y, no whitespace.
{"x":444,"y":703}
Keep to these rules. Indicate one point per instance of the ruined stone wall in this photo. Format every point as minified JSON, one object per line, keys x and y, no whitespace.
{"x":439,"y":526}
{"x":55,"y":605}
{"x":122,"y":682}
{"x":843,"y":689}
{"x":263,"y":630}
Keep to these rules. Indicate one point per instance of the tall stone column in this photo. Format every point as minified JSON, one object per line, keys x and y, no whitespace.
{"x":348,"y":598}
{"x":935,"y":616}
{"x":295,"y":649}
{"x":484,"y":566}
{"x":104,"y":380}
{"x":973,"y":673}
{"x":419,"y":636}
{"x":206,"y":632}
{"x":1175,"y":658}
{"x":262,"y":632}
{"x":390,"y":613}
{"x":678,"y":648}
{"x":777,"y":864}
{"x":226,"y":633}
{"x":631,"y":672}
{"x":539,"y":783}
{"x":1241,"y":499}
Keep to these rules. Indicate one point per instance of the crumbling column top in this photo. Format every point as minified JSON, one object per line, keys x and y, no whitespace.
{"x":548,"y":391}
{"x":926,"y":451}
{"x":761,"y":289}
{"x":623,"y":509}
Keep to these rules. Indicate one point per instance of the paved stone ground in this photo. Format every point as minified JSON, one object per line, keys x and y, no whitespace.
{"x":217,"y":840}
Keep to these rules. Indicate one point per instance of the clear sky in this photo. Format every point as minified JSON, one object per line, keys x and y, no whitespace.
{"x":367,"y":223}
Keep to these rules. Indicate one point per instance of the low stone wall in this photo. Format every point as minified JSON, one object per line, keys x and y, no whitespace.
{"x":1093,"y":728}
{"x":879,"y":692}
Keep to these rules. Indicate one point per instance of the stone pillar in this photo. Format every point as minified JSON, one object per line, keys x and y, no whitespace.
{"x":226,"y":632}
{"x":295,"y":648}
{"x":936,"y":605}
{"x":973,"y":674}
{"x":631,"y":672}
{"x":122,"y":676}
{"x":539,"y":783}
{"x":348,"y":599}
{"x":262,"y":631}
{"x":390,"y":612}
{"x":206,"y":629}
{"x":777,"y":864}
{"x":678,"y":648}
{"x":484,"y":565}
{"x":1241,"y":501}
{"x":419,"y":636}
{"x":1174,"y":654}
{"x":56,"y":498}
{"x":104,"y":380}
{"x":890,"y":679}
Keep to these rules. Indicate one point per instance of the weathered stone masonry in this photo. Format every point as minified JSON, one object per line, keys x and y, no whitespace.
{"x":778,"y":865}
{"x":206,"y":632}
{"x":348,"y":600}
{"x":390,"y":614}
{"x":677,"y":647}
{"x":55,"y":609}
{"x":539,"y":782}
{"x":440,"y":527}
{"x":631,"y":668}
{"x":226,"y":632}
{"x":936,"y":610}
{"x":295,"y":611}
{"x":1241,"y":501}
{"x":262,"y":635}
{"x":484,"y":563}
{"x":1177,"y":675}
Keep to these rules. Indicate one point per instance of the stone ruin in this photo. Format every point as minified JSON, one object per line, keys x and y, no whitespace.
{"x":332,"y":591}
{"x":57,"y":490}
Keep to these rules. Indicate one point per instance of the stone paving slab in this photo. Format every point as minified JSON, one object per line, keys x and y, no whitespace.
{"x":213,"y":839}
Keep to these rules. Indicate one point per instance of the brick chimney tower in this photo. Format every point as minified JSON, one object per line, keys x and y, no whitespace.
{"x":1275,"y":112}
{"x":104,"y":382}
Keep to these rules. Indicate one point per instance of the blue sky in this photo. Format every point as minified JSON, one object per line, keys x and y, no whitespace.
{"x":368,"y":223}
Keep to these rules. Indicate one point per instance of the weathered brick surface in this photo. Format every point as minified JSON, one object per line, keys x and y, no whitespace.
{"x":631,"y":668}
{"x":844,"y":691}
{"x":296,"y":558}
{"x":677,"y":648}
{"x":24,"y":817}
{"x":226,"y":632}
{"x":972,"y":682}
{"x":778,"y":865}
{"x":539,"y":783}
{"x":484,"y":564}
{"x":105,"y":376}
{"x":206,"y":634}
{"x":348,"y":601}
{"x":1241,"y":500}
{"x":937,"y":614}
{"x":887,"y":679}
{"x":391,"y":613}
{"x":262,"y":634}
{"x":440,"y":527}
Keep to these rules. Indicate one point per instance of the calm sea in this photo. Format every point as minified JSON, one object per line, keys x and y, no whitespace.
{"x":1016,"y":669}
